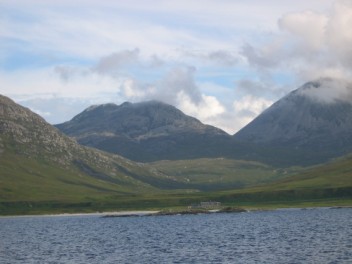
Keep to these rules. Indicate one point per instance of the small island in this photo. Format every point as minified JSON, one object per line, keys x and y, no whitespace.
{"x":194,"y":209}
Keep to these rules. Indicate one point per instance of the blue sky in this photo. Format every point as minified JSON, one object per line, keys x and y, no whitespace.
{"x":221,"y":61}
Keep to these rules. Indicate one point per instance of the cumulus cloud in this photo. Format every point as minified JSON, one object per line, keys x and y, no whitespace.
{"x":67,"y":73}
{"x":132,"y":90}
{"x":264,"y":57}
{"x":166,"y":89}
{"x":251,"y":87}
{"x":124,"y":50}
{"x":327,"y":90}
{"x":179,"y":79}
{"x":207,"y":108}
{"x":339,"y":33}
{"x":239,"y":113}
{"x":308,"y":26}
{"x":309,"y":42}
{"x":178,"y":88}
{"x":225,"y":58}
{"x":250,"y":106}
{"x":47,"y":82}
{"x":115,"y":61}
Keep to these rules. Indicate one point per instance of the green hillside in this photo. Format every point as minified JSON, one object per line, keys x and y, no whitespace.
{"x":40,"y":165}
{"x":326,"y":184}
{"x":336,"y":174}
{"x":219,"y":174}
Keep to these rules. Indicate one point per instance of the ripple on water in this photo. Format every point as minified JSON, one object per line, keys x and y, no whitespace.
{"x":287,"y":236}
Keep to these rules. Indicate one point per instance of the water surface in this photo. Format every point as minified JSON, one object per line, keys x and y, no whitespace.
{"x":283,"y":236}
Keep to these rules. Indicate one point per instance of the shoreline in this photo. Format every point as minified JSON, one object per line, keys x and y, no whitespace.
{"x":166,"y":212}
{"x":117,"y":213}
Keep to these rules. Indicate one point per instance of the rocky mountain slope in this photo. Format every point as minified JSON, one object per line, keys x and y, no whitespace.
{"x":38,"y":162}
{"x":311,"y":124}
{"x":146,"y":131}
{"x":42,"y":170}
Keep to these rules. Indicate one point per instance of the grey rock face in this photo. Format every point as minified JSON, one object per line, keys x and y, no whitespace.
{"x":31,"y":134}
{"x":27,"y":135}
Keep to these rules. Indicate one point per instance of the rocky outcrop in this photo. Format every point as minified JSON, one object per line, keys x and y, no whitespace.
{"x":26,"y":135}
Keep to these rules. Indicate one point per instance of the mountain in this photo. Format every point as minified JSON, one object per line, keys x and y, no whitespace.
{"x":42,"y":170}
{"x":310,"y":125}
{"x":40,"y":164}
{"x":146,"y":131}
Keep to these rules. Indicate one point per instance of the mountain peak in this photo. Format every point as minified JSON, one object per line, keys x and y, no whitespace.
{"x":150,"y":127}
{"x":126,"y":104}
{"x":327,"y":90}
{"x":150,"y":103}
{"x":315,"y":118}
{"x":101,"y":106}
{"x":111,"y":107}
{"x":134,"y":120}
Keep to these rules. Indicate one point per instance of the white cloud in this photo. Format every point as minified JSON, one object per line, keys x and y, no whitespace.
{"x":47,"y":82}
{"x":328,"y":90}
{"x":186,"y":53}
{"x":217,"y":57}
{"x":339,"y":33}
{"x":206,"y":109}
{"x":308,"y":26}
{"x":113,"y":62}
{"x":250,"y":106}
{"x":310,"y":42}
{"x":178,"y":88}
{"x":134,"y":91}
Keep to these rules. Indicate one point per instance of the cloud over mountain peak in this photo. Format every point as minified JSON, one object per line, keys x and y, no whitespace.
{"x":328,"y":90}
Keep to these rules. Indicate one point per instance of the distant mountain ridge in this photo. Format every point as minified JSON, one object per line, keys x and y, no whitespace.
{"x":145,"y":131}
{"x":304,"y":122}
{"x":135,"y":121}
{"x":308,"y":126}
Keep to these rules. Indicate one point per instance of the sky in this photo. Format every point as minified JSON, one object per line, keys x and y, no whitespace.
{"x":222,"y":61}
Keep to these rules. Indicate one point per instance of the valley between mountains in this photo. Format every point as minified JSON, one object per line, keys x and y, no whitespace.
{"x":151,"y":155}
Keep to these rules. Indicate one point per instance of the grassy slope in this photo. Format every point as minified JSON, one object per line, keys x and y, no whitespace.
{"x":37,"y":187}
{"x":25,"y":179}
{"x":216,"y":174}
{"x":325,"y":185}
{"x":30,"y":186}
{"x":336,"y":174}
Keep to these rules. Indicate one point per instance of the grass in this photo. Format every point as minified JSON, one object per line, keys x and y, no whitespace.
{"x":159,"y":202}
{"x":219,"y":174}
{"x":25,"y":179}
{"x":29,"y":186}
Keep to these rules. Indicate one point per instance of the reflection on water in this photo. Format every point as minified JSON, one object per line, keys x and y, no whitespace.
{"x":284,"y":236}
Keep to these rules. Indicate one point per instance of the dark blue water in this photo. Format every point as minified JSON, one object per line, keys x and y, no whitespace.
{"x":285,"y":236}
